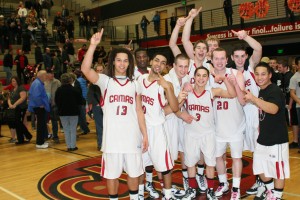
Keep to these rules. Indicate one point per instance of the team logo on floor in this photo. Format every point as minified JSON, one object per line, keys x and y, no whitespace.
{"x":81,"y":180}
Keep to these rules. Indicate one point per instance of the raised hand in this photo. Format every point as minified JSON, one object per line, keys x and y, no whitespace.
{"x":248,"y":96}
{"x":194,"y":12}
{"x":182,"y":96}
{"x":96,"y":38}
{"x":162,"y":81}
{"x":240,"y":34}
{"x":181,"y":21}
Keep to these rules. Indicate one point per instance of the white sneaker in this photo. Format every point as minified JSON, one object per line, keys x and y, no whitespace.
{"x":185,"y":183}
{"x":202,"y":183}
{"x":222,"y":189}
{"x":210,"y":195}
{"x":42,"y":146}
{"x":260,"y":193}
{"x":235,"y":194}
{"x":152,"y":191}
{"x":253,"y":189}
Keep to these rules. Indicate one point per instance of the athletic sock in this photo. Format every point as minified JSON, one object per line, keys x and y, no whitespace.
{"x":222,"y":178}
{"x":193,"y":183}
{"x":113,"y":196}
{"x":184,"y":173}
{"x":141,"y":189}
{"x":133,"y":195}
{"x":277,"y":193}
{"x":236,"y":181}
{"x":269,"y":184}
{"x":200,"y":169}
{"x":210,"y":183}
{"x":168,"y":193}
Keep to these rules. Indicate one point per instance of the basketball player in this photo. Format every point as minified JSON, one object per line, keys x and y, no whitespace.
{"x":142,"y":62}
{"x":156,"y":91}
{"x":121,"y":101}
{"x":271,"y":155}
{"x":213,"y":43}
{"x":229,"y":130}
{"x":200,"y":133}
{"x":239,"y":57}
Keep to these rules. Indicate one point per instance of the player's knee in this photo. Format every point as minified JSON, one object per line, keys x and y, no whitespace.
{"x":166,"y":172}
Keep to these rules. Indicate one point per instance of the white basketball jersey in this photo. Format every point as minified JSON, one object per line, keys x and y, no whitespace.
{"x":153,"y":100}
{"x":251,"y":112}
{"x":137,"y":73}
{"x":201,"y":108}
{"x":229,"y":115}
{"x":121,"y":133}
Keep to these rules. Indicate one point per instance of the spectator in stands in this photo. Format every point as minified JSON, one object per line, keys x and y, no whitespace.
{"x":45,"y":8}
{"x":21,"y":61}
{"x":44,"y":36}
{"x":173,"y":21}
{"x":56,"y":65}
{"x":227,"y":5}
{"x":38,"y":55}
{"x":47,"y":59}
{"x":18,"y":100}
{"x":71,"y":51}
{"x":19,"y":30}
{"x":8,"y":64}
{"x":32,"y":24}
{"x":93,"y":97}
{"x":65,"y":59}
{"x":289,"y":12}
{"x":156,"y":21}
{"x":80,"y":85}
{"x":144,"y":24}
{"x":43,"y":20}
{"x":26,"y":37}
{"x":22,"y":12}
{"x":67,"y":99}
{"x":102,"y":53}
{"x":70,"y":27}
{"x":65,"y":12}
{"x":12,"y":28}
{"x":51,"y":86}
{"x":96,"y":54}
{"x":28,"y":4}
{"x":39,"y":104}
{"x":37,"y":6}
{"x":81,"y":53}
{"x":94,"y":25}
{"x":88,"y":26}
{"x":33,"y":12}
{"x":4,"y":39}
{"x":81,"y":25}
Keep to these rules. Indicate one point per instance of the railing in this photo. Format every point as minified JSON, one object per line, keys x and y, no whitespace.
{"x":206,"y":20}
{"x":73,"y":6}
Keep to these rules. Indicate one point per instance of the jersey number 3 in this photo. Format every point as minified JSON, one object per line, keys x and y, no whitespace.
{"x":121,"y":110}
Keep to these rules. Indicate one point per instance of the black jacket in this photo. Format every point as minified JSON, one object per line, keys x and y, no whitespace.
{"x":8,"y":60}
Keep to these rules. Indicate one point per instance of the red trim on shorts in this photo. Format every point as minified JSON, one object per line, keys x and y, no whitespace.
{"x":277,"y":170}
{"x":282,"y":165}
{"x":167,"y":160}
{"x":102,"y":167}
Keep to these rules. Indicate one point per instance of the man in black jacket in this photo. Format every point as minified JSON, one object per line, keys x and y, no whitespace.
{"x":22,"y":62}
{"x":8,"y":64}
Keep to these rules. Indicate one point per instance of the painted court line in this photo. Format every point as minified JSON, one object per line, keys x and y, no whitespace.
{"x":11,"y":193}
{"x":291,"y":194}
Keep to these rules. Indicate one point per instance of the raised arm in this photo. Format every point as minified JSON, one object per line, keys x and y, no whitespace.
{"x":187,"y":44}
{"x":174,"y":36}
{"x":256,"y":46}
{"x":86,"y":69}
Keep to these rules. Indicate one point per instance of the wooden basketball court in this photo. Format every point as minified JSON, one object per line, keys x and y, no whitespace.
{"x":30,"y":173}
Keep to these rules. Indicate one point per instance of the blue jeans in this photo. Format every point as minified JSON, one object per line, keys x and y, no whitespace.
{"x":298,"y":115}
{"x":8,"y":74}
{"x":69,"y":125}
{"x":82,"y":119}
{"x":98,"y":117}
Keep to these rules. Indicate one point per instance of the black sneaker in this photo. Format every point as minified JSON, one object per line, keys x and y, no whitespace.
{"x":190,"y":193}
{"x":293,"y":145}
{"x":253,"y":189}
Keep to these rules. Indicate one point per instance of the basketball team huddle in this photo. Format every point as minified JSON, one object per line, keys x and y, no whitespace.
{"x":198,"y":110}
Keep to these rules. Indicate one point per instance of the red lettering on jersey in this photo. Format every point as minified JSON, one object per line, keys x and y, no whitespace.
{"x":198,"y":108}
{"x":147,"y":100}
{"x":247,"y":82}
{"x":121,"y":98}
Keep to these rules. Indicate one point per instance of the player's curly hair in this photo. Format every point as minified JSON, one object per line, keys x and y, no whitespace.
{"x":111,"y":66}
